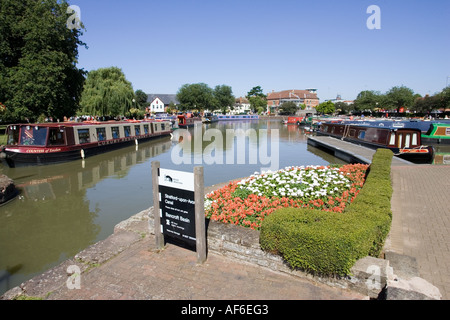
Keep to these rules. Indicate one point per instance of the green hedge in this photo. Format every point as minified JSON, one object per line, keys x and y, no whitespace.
{"x":329,"y":243}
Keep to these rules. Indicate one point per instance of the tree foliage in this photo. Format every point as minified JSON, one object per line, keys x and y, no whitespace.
{"x":344,"y":108}
{"x":288,"y":108}
{"x":223,"y":98}
{"x":38,"y":56}
{"x":326,"y":107}
{"x":425,"y":104}
{"x":197,"y":96}
{"x":444,"y":98}
{"x":107,"y":93}
{"x":257,"y":99}
{"x":440,"y":100}
{"x":368,"y":100}
{"x":398,"y":97}
{"x":141,"y":99}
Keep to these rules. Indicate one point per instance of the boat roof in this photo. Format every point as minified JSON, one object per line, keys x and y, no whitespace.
{"x":85,"y":123}
{"x":375,"y":126}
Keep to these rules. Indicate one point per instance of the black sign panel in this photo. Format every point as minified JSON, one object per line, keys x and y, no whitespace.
{"x":178,"y":216}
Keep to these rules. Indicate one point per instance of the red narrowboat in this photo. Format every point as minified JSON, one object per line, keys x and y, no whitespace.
{"x":293,"y":120}
{"x":48,"y":143}
{"x":187,"y":121}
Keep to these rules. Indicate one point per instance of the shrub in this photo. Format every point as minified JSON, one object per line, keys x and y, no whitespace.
{"x":329,"y":243}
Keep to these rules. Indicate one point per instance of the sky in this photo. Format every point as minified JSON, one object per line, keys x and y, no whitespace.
{"x":277,"y":45}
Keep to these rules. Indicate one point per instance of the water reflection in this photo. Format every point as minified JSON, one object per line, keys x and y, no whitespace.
{"x":53,"y":218}
{"x":442,"y":154}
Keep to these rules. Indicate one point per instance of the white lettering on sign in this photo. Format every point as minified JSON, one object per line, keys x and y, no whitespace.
{"x":176,"y":179}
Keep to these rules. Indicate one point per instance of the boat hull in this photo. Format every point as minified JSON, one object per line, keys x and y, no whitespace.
{"x":436,"y":141}
{"x":426,"y":157}
{"x":43,"y":156}
{"x":190,"y":125}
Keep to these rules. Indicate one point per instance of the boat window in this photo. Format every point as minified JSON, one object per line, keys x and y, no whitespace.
{"x":392,"y":139}
{"x":83,"y":136}
{"x":400,"y":138}
{"x":137,"y":130}
{"x":408,"y":141}
{"x":127,"y":131}
{"x":33,"y":136}
{"x":361,"y":135}
{"x":146,"y":128}
{"x":115,"y":132}
{"x":101,"y":134}
{"x":56,"y":137}
{"x":352,"y":132}
{"x":414,"y":139}
{"x":13,"y":136}
{"x":163,"y":126}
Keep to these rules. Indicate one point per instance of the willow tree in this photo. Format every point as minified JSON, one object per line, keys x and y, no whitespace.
{"x":106,"y":92}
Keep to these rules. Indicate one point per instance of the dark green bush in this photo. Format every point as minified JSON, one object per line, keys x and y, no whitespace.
{"x":329,"y":243}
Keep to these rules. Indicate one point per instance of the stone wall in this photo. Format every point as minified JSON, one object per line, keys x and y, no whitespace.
{"x":7,"y":189}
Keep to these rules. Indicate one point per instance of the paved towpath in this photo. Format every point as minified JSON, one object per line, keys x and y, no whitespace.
{"x":421,"y":220}
{"x":141,"y":272}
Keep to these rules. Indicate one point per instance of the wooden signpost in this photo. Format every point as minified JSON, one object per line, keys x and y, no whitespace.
{"x":178,"y":202}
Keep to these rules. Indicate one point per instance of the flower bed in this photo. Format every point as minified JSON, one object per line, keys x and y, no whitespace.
{"x":329,"y":243}
{"x":247,"y":202}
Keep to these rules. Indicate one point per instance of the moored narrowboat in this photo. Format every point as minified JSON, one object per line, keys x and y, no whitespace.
{"x":439,"y":133}
{"x":405,"y":143}
{"x":293,"y":120}
{"x":187,"y":121}
{"x":48,"y":143}
{"x":227,"y":117}
{"x":210,"y":118}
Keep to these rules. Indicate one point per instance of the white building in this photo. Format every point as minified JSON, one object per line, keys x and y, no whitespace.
{"x":160,"y":102}
{"x":242,"y":106}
